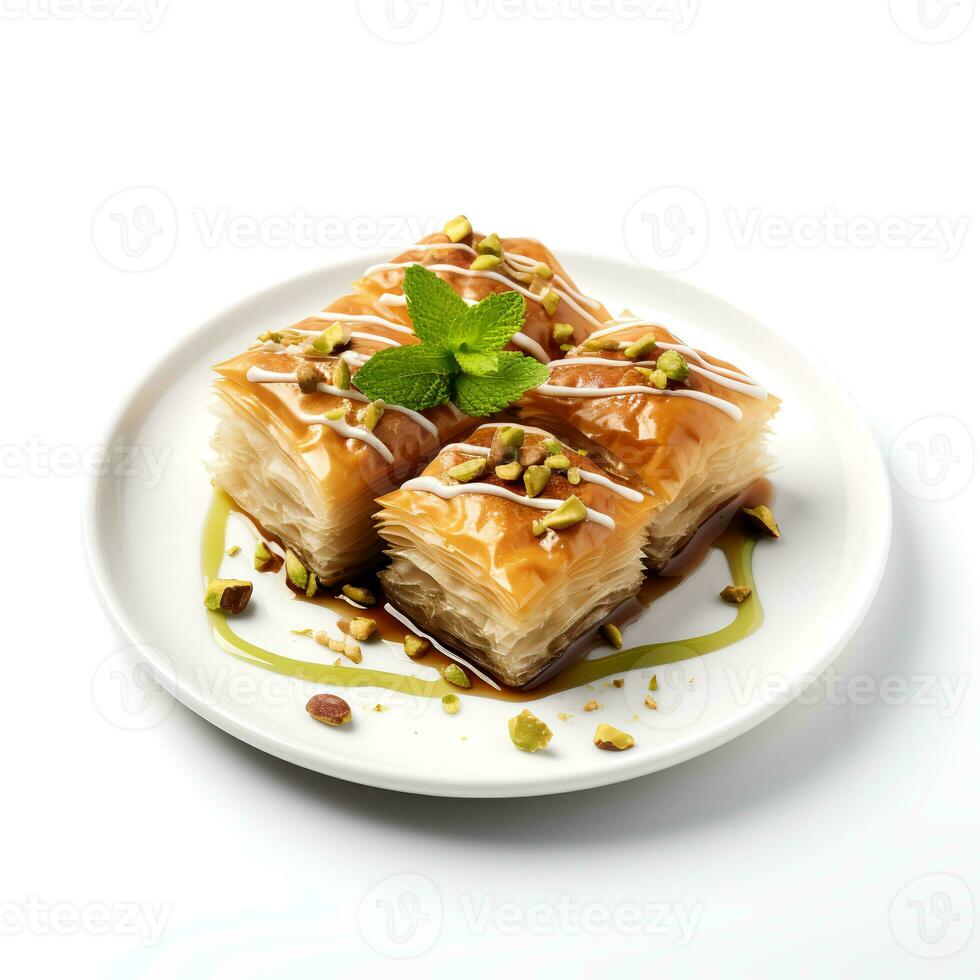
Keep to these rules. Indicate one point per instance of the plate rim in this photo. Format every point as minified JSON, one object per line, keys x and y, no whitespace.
{"x":372,"y":773}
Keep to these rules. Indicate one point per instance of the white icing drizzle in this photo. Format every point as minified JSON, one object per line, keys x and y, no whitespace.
{"x":357,"y":335}
{"x":393,"y":299}
{"x":522,"y":340}
{"x":561,"y":391}
{"x":350,"y":432}
{"x":526,"y":263}
{"x":429,"y":484}
{"x":263,"y":377}
{"x":363,"y":318}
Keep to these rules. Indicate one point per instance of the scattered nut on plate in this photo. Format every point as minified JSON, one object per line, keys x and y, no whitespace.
{"x":329,"y":709}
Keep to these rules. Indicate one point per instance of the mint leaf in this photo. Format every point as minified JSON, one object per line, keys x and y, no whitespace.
{"x":476,"y":362}
{"x":412,"y":377}
{"x":489,"y":325}
{"x":433,"y":305}
{"x":479,"y":396}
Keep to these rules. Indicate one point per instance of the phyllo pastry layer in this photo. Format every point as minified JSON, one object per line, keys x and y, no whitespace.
{"x":690,"y":427}
{"x":510,"y":546}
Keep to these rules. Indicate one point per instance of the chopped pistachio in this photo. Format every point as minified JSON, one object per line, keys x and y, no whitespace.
{"x":650,"y":703}
{"x":341,"y":375}
{"x":654,"y":683}
{"x":536,"y":479}
{"x":233,"y":550}
{"x":612,"y":739}
{"x":612,"y":635}
{"x":562,"y":332}
{"x":364,"y":597}
{"x":567,"y":347}
{"x":326,"y":640}
{"x":227,"y":595}
{"x":329,"y":709}
{"x":308,"y":377}
{"x":528,"y":733}
{"x":601,"y":343}
{"x":543,"y":271}
{"x":306,"y":632}
{"x":450,"y":703}
{"x":538,"y":528}
{"x":311,"y":585}
{"x":558,"y":462}
{"x":455,"y":674}
{"x":574,"y":475}
{"x":505,"y":445}
{"x":656,"y":378}
{"x":335,"y":414}
{"x":468,"y":470}
{"x":592,"y":705}
{"x":330,"y":339}
{"x":564,"y":715}
{"x":490,"y":245}
{"x":296,"y":571}
{"x":571,"y":511}
{"x":370,"y":415}
{"x":270,"y":336}
{"x":509,"y":472}
{"x":762,"y":519}
{"x":458,"y":228}
{"x":361,"y":627}
{"x":511,"y":436}
{"x":673,"y":365}
{"x":533,"y":454}
{"x":550,"y":300}
{"x":518,"y":275}
{"x":735,"y":594}
{"x":415,"y":646}
{"x":484,"y":262}
{"x":352,"y":652}
{"x":380,"y":707}
{"x":640,"y":348}
{"x":617,"y":682}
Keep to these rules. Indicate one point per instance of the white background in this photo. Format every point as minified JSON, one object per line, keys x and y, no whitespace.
{"x":788,"y":849}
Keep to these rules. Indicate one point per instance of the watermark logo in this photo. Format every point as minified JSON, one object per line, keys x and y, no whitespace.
{"x":932,"y":21}
{"x":679,"y":696}
{"x":932,"y":459}
{"x":147,"y":13}
{"x":38,"y":917}
{"x":39,"y":460}
{"x":136,"y":229}
{"x":932,"y":916}
{"x":125,"y":693}
{"x":401,"y":916}
{"x":400,"y":21}
{"x":667,"y":229}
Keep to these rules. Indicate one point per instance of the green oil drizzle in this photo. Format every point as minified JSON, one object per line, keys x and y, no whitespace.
{"x":734,"y":543}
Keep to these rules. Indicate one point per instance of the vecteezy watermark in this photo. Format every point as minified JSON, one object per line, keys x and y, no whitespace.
{"x":401,"y":916}
{"x":941,"y":234}
{"x":135,"y":230}
{"x":933,"y":916}
{"x":673,"y":920}
{"x":125,"y":692}
{"x":932,"y":21}
{"x":667,"y":229}
{"x":147,"y":13}
{"x":400,"y":21}
{"x":932,"y":459}
{"x":37,"y":459}
{"x":35,"y":916}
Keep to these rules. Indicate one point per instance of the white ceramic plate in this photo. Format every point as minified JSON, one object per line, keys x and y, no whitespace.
{"x":816,"y":583}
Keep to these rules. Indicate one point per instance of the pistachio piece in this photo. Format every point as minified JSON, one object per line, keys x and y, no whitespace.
{"x":533,"y":455}
{"x":650,"y":703}
{"x":233,"y":550}
{"x":571,"y":511}
{"x":308,"y":377}
{"x":566,"y":348}
{"x":536,"y":479}
{"x":361,"y":627}
{"x":370,"y":415}
{"x":364,"y":597}
{"x":574,"y":475}
{"x":735,"y":594}
{"x":762,"y":520}
{"x":455,"y":674}
{"x":558,"y":462}
{"x":654,"y":684}
{"x":618,"y":682}
{"x":640,"y":348}
{"x":490,"y":245}
{"x":330,"y":339}
{"x":543,"y":271}
{"x":458,"y":228}
{"x":296,"y":571}
{"x":655,"y":378}
{"x":335,"y":414}
{"x":601,"y":343}
{"x":351,"y":651}
{"x":562,"y":332}
{"x":468,"y":470}
{"x":550,"y":300}
{"x":415,"y":646}
{"x":340,"y":378}
{"x":528,"y":732}
{"x":311,"y":585}
{"x":450,"y":703}
{"x":673,"y":365}
{"x":329,"y":709}
{"x":552,"y":445}
{"x":270,"y":336}
{"x":612,"y":739}
{"x":612,"y":635}
{"x":506,"y":444}
{"x":538,"y":528}
{"x":483,"y":262}
{"x":509,"y":472}
{"x":227,"y":595}
{"x":591,"y":705}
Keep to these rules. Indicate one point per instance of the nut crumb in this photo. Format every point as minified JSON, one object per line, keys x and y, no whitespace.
{"x":380,"y":707}
{"x":233,"y":550}
{"x":592,"y":705}
{"x":650,"y":703}
{"x":563,"y":716}
{"x":618,"y":682}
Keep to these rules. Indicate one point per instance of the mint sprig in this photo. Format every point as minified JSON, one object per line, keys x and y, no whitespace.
{"x":459,"y":358}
